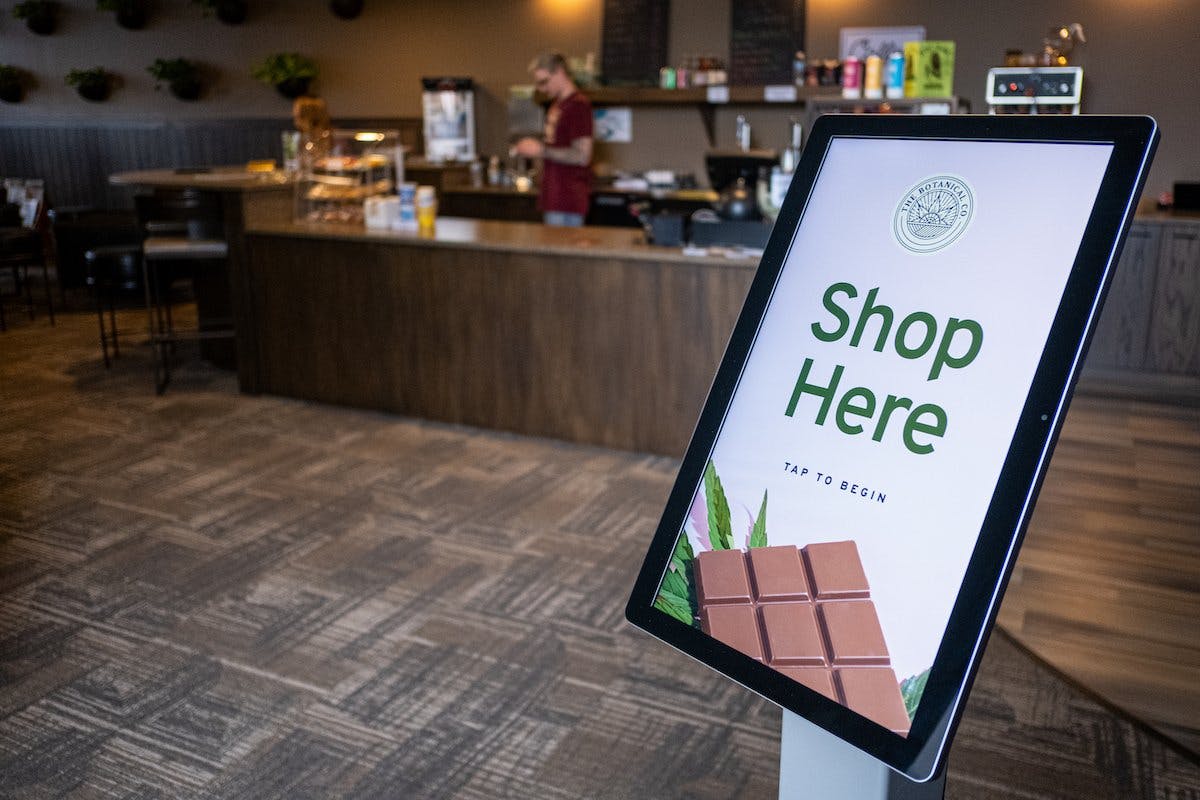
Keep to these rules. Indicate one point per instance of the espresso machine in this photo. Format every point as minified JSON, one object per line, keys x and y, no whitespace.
{"x":735,"y":220}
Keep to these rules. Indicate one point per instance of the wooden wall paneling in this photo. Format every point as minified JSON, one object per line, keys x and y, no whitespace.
{"x":1175,"y":327}
{"x":1120,"y":339}
{"x":127,"y":148}
{"x":62,"y":157}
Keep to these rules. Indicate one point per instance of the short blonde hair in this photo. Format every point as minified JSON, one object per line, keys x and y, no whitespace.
{"x":551,"y":61}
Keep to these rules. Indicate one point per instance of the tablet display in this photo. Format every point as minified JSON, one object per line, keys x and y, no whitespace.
{"x":837,"y":492}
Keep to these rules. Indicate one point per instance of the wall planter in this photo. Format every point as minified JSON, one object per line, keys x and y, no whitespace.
{"x":231,"y":12}
{"x":290,"y":73}
{"x":181,"y":76}
{"x":346,"y":9}
{"x":92,"y":84}
{"x":41,"y":16}
{"x":131,"y":14}
{"x":12,"y":83}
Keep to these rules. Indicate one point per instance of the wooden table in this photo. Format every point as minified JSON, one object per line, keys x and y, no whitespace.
{"x":245,"y":198}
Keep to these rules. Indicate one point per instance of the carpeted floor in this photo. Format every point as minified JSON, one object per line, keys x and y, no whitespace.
{"x":213,"y":595}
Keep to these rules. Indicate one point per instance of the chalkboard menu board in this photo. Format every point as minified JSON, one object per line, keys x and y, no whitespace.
{"x":763,"y":37}
{"x":633,"y":42}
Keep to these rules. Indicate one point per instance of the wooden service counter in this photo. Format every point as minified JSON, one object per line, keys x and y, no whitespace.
{"x":583,"y":334}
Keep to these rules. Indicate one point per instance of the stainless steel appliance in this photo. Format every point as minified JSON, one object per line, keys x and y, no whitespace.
{"x":448,"y":108}
{"x":1034,"y":90}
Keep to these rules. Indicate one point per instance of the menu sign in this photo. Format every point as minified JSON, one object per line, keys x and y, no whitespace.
{"x":847,"y":487}
{"x":633,"y":41}
{"x":763,"y":36}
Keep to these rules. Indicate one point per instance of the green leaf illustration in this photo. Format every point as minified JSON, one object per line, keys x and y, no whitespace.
{"x":675,"y":582}
{"x":911,"y":690}
{"x":720,"y":527}
{"x":683,"y":554}
{"x":678,"y":607}
{"x":758,"y":534}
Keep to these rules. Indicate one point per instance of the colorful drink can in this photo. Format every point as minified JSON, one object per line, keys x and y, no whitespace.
{"x":873,"y":81}
{"x":852,"y":78}
{"x":893,"y":75}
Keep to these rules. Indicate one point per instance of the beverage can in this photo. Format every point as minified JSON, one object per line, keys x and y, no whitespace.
{"x":426,"y":207}
{"x":893,"y":79}
{"x":406,"y":218}
{"x":873,"y":80}
{"x":799,"y":67}
{"x":852,"y":78}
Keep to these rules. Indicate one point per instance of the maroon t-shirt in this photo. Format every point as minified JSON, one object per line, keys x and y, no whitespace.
{"x":566,"y":187}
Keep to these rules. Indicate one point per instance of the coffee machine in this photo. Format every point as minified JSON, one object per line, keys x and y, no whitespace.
{"x":735,"y":220}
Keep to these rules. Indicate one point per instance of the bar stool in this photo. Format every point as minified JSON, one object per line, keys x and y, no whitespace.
{"x":111,"y":269}
{"x":183,"y":235}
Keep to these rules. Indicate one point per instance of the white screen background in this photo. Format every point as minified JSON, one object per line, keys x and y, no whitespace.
{"x":1006,"y":271}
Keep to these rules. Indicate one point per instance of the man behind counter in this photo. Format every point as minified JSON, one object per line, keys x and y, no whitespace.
{"x":566,"y":147}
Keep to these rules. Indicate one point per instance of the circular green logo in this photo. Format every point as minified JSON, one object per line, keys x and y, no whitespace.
{"x":933,"y":213}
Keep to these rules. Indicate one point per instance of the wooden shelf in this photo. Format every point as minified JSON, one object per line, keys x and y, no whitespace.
{"x":738,"y":95}
{"x":873,"y":104}
{"x":698,"y":97}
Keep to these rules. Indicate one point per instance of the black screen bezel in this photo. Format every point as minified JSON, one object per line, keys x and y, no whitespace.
{"x":921,"y":753}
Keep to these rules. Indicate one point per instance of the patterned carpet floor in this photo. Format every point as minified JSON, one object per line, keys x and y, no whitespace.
{"x":213,"y":595}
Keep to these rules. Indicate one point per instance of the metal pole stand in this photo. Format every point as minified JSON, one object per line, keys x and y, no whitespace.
{"x":816,"y":765}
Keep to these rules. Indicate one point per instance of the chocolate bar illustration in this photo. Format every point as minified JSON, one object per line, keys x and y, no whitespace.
{"x":806,"y":612}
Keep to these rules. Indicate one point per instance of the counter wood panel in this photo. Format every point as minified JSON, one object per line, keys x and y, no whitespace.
{"x":1175,"y":320}
{"x":1120,"y":341}
{"x":604,"y":349}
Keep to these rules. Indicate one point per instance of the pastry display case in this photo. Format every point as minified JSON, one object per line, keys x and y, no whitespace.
{"x":342,"y":170}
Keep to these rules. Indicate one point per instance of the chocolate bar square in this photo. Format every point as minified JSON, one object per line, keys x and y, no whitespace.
{"x":735,"y":625}
{"x":836,"y":571}
{"x":791,"y":634}
{"x":721,"y":577}
{"x":874,"y":694}
{"x":853,"y":634}
{"x":777,"y":574}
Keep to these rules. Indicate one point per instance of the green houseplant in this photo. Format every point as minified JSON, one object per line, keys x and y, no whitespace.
{"x":231,"y":12}
{"x":131,"y":14}
{"x":41,"y":16}
{"x":181,"y":76}
{"x":12,"y":83}
{"x":93,"y":84}
{"x":289,"y":73}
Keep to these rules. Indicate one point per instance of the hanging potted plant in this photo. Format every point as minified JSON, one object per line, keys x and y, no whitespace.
{"x":181,"y":76}
{"x":290,"y":73}
{"x":41,"y":16}
{"x":12,"y":83}
{"x":93,"y":84}
{"x":231,"y":12}
{"x":131,"y":14}
{"x":346,"y":9}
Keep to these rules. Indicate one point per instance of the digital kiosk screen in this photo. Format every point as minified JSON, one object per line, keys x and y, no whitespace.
{"x":855,"y":464}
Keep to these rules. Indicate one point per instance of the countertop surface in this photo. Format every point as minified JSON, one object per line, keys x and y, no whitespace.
{"x":215,"y":179}
{"x":457,"y":232}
